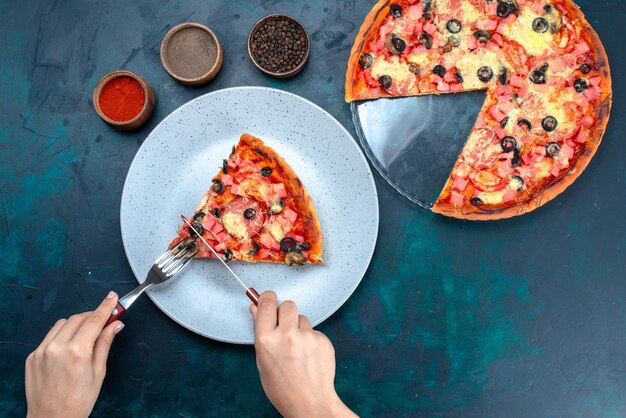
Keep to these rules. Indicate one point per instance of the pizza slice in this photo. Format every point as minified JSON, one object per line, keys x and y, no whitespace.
{"x":257,"y":209}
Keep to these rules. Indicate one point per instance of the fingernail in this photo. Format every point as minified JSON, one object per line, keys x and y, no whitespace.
{"x":111,"y":295}
{"x":118,"y":328}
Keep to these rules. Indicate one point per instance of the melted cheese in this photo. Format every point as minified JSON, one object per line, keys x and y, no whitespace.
{"x":521,"y":31}
{"x":235,"y":226}
{"x":276,"y":231}
{"x":469,"y":64}
{"x":492,"y":198}
{"x":395,"y":69}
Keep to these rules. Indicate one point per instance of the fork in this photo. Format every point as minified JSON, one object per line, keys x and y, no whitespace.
{"x":163,"y":269}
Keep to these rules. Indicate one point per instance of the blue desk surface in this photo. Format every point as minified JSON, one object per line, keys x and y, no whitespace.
{"x":520,"y":318}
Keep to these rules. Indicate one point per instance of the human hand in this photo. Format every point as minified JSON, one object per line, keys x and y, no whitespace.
{"x":65,"y":373}
{"x":296,"y":363}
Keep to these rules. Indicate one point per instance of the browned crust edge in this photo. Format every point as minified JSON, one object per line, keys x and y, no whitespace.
{"x":299,"y":193}
{"x":603,"y":110}
{"x":372,"y":22}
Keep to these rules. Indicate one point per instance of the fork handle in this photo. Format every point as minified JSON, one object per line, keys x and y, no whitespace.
{"x":117,"y":312}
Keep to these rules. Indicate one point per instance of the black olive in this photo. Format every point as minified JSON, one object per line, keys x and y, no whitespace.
{"x":482,"y":36}
{"x":517,"y":182}
{"x":453,"y":42}
{"x":366,"y":60}
{"x":395,"y":10}
{"x":288,"y":245}
{"x":414,"y":68}
{"x":580,"y":85}
{"x":426,"y":40}
{"x":547,"y":8}
{"x":266,"y":171}
{"x":439,"y":70}
{"x":504,"y":9}
{"x":228,"y":254}
{"x":540,"y":25}
{"x":508,"y":144}
{"x":543,"y":68}
{"x":398,"y":44}
{"x":217,"y":186}
{"x":199,"y":216}
{"x":485,"y":74}
{"x":216,"y":212}
{"x":249,"y":213}
{"x":503,"y":76}
{"x":549,"y":123}
{"x":224,"y":166}
{"x":585,"y":68}
{"x":517,"y":159}
{"x":459,"y":77}
{"x":304,"y":246}
{"x":426,"y":14}
{"x":552,"y":149}
{"x":476,"y":201}
{"x":538,"y":77}
{"x":454,"y":26}
{"x":504,"y":121}
{"x":524,"y":124}
{"x":254,"y":249}
{"x":384,"y":81}
{"x":197,"y":224}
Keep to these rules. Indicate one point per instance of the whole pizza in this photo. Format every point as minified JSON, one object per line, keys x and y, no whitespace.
{"x":548,"y":89}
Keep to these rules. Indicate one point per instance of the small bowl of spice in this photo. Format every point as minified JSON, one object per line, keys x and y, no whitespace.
{"x":191,"y":53}
{"x":279,"y":45}
{"x":123,"y":100}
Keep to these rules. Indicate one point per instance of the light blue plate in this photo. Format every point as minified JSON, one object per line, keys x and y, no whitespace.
{"x":173,"y":169}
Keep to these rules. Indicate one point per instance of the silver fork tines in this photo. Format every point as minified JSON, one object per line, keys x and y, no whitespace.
{"x":164,"y":268}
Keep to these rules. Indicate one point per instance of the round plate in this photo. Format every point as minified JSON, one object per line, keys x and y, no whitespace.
{"x":173,"y":169}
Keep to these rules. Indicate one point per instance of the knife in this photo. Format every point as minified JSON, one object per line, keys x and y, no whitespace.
{"x":252,"y":294}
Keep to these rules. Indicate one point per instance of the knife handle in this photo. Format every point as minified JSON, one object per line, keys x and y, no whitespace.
{"x":253,"y":295}
{"x":117,"y":312}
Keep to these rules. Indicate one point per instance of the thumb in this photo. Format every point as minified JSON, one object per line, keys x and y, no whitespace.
{"x":103,"y":344}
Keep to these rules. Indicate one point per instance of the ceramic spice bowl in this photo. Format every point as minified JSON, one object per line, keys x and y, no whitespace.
{"x":123,"y":100}
{"x":191,"y":53}
{"x":279,"y":45}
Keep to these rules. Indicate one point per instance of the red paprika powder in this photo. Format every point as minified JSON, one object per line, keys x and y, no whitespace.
{"x":122,"y":98}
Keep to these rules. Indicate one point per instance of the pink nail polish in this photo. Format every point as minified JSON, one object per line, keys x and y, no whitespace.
{"x":118,"y":328}
{"x":111,"y":295}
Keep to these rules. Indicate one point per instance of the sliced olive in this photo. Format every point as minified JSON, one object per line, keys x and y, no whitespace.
{"x":504,"y":9}
{"x":485,"y":74}
{"x":516,"y":182}
{"x":547,"y":8}
{"x":228,"y":254}
{"x":503,"y":76}
{"x":225,"y":166}
{"x":508,"y":144}
{"x":288,"y":245}
{"x":266,"y":171}
{"x":249,"y":214}
{"x":384,"y":81}
{"x":426,"y":40}
{"x":295,"y":258}
{"x":580,"y":85}
{"x":395,"y":10}
{"x":504,"y":121}
{"x":427,"y":4}
{"x":482,"y":36}
{"x":549,"y":123}
{"x":543,"y":68}
{"x":414,"y":68}
{"x":454,"y":26}
{"x":540,"y":25}
{"x":517,"y":159}
{"x":216,"y":212}
{"x":395,"y":45}
{"x":524,"y":124}
{"x":439,"y":70}
{"x":538,"y":77}
{"x":552,"y":149}
{"x":476,"y":201}
{"x":197,"y":224}
{"x":585,"y":68}
{"x":366,"y":60}
{"x":277,"y":206}
{"x":304,"y":246}
{"x":217,"y":186}
{"x":459,"y":77}
{"x":254,"y":249}
{"x":199,"y":216}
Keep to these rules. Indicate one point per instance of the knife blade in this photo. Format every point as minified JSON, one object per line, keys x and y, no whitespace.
{"x":252,"y":294}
